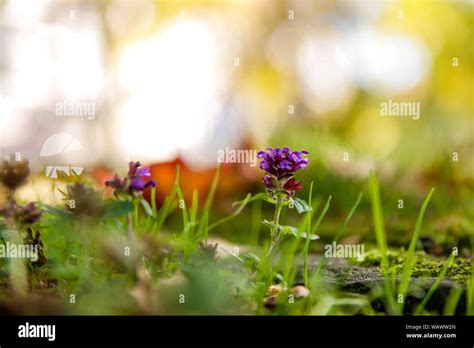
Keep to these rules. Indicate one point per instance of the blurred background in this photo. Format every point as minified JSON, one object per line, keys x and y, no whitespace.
{"x":92,"y":85}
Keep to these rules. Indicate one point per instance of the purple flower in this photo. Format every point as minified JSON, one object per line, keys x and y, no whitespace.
{"x":117,"y":183}
{"x":24,"y":215}
{"x":135,"y":182}
{"x":280,"y":165}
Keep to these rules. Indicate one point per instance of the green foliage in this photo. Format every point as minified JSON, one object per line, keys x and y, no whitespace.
{"x":170,"y":254}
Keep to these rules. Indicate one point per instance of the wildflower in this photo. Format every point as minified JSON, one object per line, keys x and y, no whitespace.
{"x":83,"y":200}
{"x":135,"y":182}
{"x":280,"y":164}
{"x":23,"y":215}
{"x":14,"y":173}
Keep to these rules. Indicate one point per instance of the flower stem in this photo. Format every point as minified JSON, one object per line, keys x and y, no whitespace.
{"x":18,"y":271}
{"x":135,"y":213}
{"x":85,"y":246}
{"x":275,"y":233}
{"x":129,"y":226}
{"x":10,"y":193}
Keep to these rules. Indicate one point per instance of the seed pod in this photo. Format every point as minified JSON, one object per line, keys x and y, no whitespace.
{"x":299,"y":291}
{"x":274,"y":289}
{"x":270,"y":301}
{"x":14,"y":173}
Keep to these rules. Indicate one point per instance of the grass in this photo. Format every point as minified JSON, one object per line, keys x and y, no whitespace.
{"x":379,"y":229}
{"x":419,"y":309}
{"x":410,"y":258}
{"x":452,"y":301}
{"x":171,"y":257}
{"x":340,"y":232}
{"x":470,"y":285}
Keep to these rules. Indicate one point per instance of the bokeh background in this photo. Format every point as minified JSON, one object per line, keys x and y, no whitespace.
{"x":176,"y":81}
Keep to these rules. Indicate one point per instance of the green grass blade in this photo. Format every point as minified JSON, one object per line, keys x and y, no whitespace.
{"x":313,"y":231}
{"x":470,"y":285}
{"x":183,"y":207}
{"x":194,"y":210}
{"x":321,"y":216}
{"x":255,"y":225}
{"x":194,"y":206}
{"x":410,"y":256}
{"x":239,"y":209}
{"x":435,"y":285}
{"x":453,"y":300}
{"x":308,"y":240}
{"x":212,"y":189}
{"x":348,"y":218}
{"x":204,"y":223}
{"x":153,"y":200}
{"x":166,"y":208}
{"x":339,"y":233}
{"x":379,"y":229}
{"x":377,"y":218}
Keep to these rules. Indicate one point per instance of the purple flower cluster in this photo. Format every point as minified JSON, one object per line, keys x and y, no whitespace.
{"x":280,"y":165}
{"x":24,"y":215}
{"x":135,"y":182}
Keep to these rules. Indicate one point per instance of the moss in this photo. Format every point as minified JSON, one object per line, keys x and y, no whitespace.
{"x":373,"y":258}
{"x":426,"y":265}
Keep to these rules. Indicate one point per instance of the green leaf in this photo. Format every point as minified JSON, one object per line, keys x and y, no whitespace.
{"x":8,"y":234}
{"x":301,"y":205}
{"x":114,"y":209}
{"x":277,"y":276}
{"x":57,"y":212}
{"x":251,"y":259}
{"x":312,"y":236}
{"x":285,"y":230}
{"x":268,"y":223}
{"x":290,"y":230}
